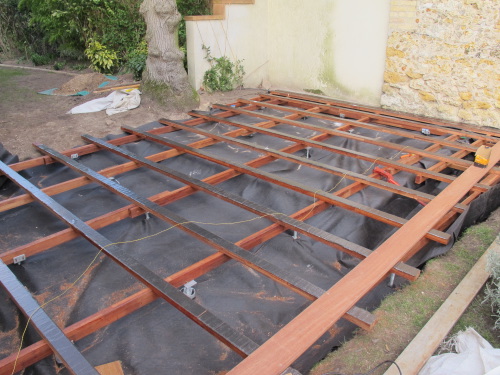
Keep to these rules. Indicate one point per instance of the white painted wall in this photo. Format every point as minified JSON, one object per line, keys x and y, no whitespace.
{"x":336,"y":46}
{"x":241,"y":36}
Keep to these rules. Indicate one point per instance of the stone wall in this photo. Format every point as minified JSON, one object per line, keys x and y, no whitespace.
{"x":443,"y":60}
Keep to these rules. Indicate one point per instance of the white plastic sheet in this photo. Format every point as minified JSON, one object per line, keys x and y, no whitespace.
{"x":116,"y":102}
{"x":474,"y":356}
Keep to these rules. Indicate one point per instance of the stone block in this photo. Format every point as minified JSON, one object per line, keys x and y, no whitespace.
{"x":482,"y":105}
{"x":427,"y":96}
{"x":392,"y":77}
{"x":410,"y":73}
{"x":447,"y":109}
{"x":395,"y":52}
{"x":465,"y":115}
{"x":465,"y":95}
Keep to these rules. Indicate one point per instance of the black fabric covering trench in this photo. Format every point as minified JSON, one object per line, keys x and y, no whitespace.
{"x":157,"y":339}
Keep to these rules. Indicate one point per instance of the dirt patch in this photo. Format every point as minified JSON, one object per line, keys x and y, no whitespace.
{"x":28,"y":117}
{"x":84,"y":82}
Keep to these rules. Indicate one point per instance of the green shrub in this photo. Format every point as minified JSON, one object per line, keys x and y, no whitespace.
{"x":190,"y":8}
{"x":59,"y":65}
{"x":136,"y":60}
{"x":224,"y":75}
{"x":17,"y":35}
{"x":71,"y":25}
{"x":41,"y":59}
{"x":124,"y":28}
{"x":79,"y":66}
{"x":64,"y":28}
{"x":102,"y":59}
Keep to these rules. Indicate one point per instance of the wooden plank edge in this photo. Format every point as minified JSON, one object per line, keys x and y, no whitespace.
{"x":421,"y":348}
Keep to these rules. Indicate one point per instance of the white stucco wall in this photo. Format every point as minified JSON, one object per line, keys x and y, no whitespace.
{"x":335,"y":46}
{"x":246,"y":30}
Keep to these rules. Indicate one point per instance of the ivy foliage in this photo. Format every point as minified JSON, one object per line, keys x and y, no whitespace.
{"x":190,"y":8}
{"x":16,"y":32}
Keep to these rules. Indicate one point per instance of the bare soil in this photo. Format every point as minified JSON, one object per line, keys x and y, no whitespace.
{"x":27,"y":117}
{"x":82,"y":82}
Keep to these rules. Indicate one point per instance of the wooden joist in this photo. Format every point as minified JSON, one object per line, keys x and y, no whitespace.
{"x":317,"y":113}
{"x":329,"y":239}
{"x":397,"y":119}
{"x":339,"y":150}
{"x":453,"y":162}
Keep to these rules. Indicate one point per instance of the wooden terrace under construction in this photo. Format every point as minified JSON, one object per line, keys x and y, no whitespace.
{"x":316,"y":206}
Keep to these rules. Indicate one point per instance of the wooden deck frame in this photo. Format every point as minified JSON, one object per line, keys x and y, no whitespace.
{"x":335,"y":149}
{"x":332,"y":199}
{"x":367,"y":117}
{"x":400,"y":190}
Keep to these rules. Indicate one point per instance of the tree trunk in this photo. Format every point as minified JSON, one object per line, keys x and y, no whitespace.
{"x":165,"y":78}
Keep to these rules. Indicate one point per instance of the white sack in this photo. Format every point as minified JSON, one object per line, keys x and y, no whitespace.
{"x":131,"y":100}
{"x":475,"y":356}
{"x":116,"y":102}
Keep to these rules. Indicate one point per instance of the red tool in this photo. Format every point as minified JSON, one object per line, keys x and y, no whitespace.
{"x":390,"y":179}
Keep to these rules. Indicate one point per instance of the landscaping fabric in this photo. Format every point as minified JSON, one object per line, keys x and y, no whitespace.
{"x":158,"y":339}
